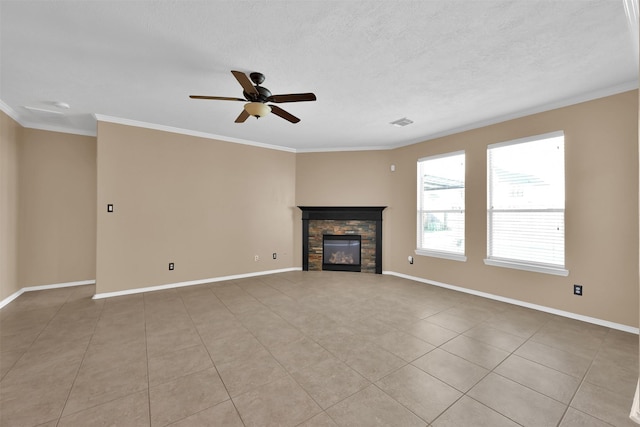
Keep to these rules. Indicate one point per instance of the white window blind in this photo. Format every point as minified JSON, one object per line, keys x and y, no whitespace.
{"x":440,"y":228}
{"x":525,"y":206}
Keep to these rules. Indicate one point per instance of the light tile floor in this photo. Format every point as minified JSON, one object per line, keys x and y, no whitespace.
{"x":308,"y":349}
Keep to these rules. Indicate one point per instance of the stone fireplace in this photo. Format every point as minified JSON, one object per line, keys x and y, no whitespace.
{"x":354,"y":234}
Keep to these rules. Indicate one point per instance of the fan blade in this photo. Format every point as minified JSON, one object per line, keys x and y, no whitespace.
{"x":243,"y":116}
{"x":292,"y":97}
{"x":220,"y":98}
{"x":285,"y":115}
{"x":244,"y":82}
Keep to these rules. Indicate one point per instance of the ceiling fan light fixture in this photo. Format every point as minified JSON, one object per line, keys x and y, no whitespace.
{"x":257,"y":109}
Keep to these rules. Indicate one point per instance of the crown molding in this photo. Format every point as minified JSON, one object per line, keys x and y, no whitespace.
{"x":10,"y":112}
{"x":542,"y":108}
{"x":565,"y":102}
{"x":171,"y":129}
{"x":61,"y":129}
{"x":38,"y":126}
{"x":342,"y":149}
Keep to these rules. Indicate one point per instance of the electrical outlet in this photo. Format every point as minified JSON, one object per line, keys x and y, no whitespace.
{"x":410,"y":259}
{"x":577,"y":290}
{"x":171,"y":266}
{"x":256,"y":258}
{"x":275,"y":255}
{"x":109,"y":208}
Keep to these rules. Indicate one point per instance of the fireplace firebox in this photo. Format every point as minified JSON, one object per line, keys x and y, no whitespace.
{"x":341,"y":252}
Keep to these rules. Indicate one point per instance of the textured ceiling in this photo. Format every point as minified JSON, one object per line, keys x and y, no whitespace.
{"x":446,"y":65}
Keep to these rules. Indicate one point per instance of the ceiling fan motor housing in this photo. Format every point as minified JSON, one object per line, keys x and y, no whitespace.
{"x":257,"y":78}
{"x":262,"y":96}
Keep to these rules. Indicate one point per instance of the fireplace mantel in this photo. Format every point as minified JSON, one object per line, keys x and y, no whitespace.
{"x":342,"y":213}
{"x":363,"y":213}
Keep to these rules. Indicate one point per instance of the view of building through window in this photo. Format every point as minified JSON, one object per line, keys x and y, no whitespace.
{"x":441,"y":203}
{"x":525,"y":203}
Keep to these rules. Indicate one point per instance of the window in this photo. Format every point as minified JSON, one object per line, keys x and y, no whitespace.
{"x":441,"y":206}
{"x":525,"y":204}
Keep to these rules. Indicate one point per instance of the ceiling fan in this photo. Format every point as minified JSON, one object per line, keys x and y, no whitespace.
{"x":258,"y":96}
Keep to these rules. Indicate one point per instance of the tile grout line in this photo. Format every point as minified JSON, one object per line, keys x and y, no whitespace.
{"x":373,"y":383}
{"x":489,"y":371}
{"x":322,"y":410}
{"x":495,"y":367}
{"x":97,"y":404}
{"x":36,"y":338}
{"x":211,"y":358}
{"x":584,"y":380}
{"x":84,"y":355}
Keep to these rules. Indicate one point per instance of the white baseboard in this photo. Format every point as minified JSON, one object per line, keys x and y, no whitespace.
{"x":16,"y":294}
{"x":635,"y":407}
{"x":543,"y":308}
{"x":192,"y":283}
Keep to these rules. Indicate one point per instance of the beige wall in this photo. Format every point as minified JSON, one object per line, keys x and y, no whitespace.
{"x":57,"y":205}
{"x":206,"y":205}
{"x":601,"y":207}
{"x":344,"y":178}
{"x":47,"y":207}
{"x":348,"y":178}
{"x":9,"y":142}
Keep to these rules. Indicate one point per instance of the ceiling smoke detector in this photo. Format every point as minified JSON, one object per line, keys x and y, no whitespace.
{"x":61,"y":105}
{"x":402,"y":122}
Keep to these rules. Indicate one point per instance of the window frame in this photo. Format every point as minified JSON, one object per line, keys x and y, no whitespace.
{"x":533,"y":266}
{"x":455,"y":256}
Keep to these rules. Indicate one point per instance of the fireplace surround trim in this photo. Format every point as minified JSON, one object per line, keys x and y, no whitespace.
{"x":344,"y":213}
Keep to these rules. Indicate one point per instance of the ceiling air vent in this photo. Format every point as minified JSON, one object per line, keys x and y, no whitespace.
{"x":402,"y":122}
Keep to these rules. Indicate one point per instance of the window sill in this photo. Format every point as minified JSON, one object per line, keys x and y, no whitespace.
{"x":443,"y":255}
{"x":536,"y":268}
